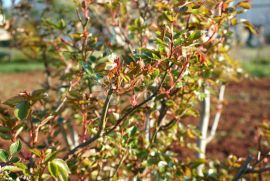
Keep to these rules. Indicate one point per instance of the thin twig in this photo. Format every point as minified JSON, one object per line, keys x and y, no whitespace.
{"x":132,"y":110}
{"x":101,"y":126}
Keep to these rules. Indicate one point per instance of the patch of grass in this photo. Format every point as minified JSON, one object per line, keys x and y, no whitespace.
{"x":13,"y":61}
{"x":254,"y":61}
{"x":250,"y":54}
{"x":257,"y":68}
{"x":15,"y":67}
{"x":11,"y":54}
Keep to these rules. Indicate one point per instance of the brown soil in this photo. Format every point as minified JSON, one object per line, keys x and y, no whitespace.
{"x":247,"y":105}
{"x":12,"y":84}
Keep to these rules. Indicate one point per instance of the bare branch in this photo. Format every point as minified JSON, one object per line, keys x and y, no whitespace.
{"x":218,"y":113}
{"x":205,"y":116}
{"x":204,"y":122}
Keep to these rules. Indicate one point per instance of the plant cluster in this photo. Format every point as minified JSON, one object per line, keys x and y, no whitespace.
{"x":120,"y":77}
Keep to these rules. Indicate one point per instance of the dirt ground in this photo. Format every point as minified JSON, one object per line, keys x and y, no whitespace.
{"x":14,"y":83}
{"x":247,"y":105}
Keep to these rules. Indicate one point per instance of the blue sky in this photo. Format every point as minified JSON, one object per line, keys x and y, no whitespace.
{"x":6,"y":3}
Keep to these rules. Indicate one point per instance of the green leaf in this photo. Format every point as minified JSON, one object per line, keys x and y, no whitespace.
{"x":45,"y":176}
{"x":4,"y":129}
{"x":15,"y":147}
{"x":155,"y":73}
{"x":61,"y":24}
{"x":39,"y":94}
{"x":179,"y":41}
{"x":5,"y":136}
{"x":53,"y":169}
{"x":19,"y":128}
{"x":22,"y":110}
{"x":195,"y":35}
{"x":11,"y":168}
{"x":59,"y":169}
{"x":15,"y":100}
{"x":197,"y":162}
{"x":14,"y":159}
{"x":139,"y":22}
{"x":234,"y":21}
{"x":51,"y":155}
{"x":170,"y":103}
{"x":132,"y":131}
{"x":22,"y":166}
{"x":36,"y":152}
{"x":3,"y":155}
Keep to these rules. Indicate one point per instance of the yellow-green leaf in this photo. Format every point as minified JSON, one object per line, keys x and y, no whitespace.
{"x":22,"y":110}
{"x":15,"y":147}
{"x":59,"y":169}
{"x":244,"y":5}
{"x":3,"y":155}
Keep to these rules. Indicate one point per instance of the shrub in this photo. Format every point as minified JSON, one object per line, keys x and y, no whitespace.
{"x":120,"y":77}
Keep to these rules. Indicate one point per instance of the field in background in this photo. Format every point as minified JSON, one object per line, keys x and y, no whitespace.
{"x":254,"y":61}
{"x":14,"y":61}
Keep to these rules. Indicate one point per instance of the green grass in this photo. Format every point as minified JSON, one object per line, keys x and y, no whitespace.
{"x":254,"y":61}
{"x":14,"y":61}
{"x":257,"y":68}
{"x":11,"y":54}
{"x":15,"y":67}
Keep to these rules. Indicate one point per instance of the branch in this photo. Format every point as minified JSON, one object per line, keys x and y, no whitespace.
{"x":118,"y":122}
{"x":205,"y":116}
{"x":118,"y":166}
{"x":243,"y":169}
{"x":162,"y":114}
{"x":101,"y":126}
{"x":204,"y":122}
{"x":218,"y":114}
{"x":147,"y":126}
{"x":47,"y":83}
{"x":132,"y":110}
{"x":258,"y":171}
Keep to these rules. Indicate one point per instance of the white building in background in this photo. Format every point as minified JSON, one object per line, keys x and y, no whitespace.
{"x":4,"y":35}
{"x":259,"y":14}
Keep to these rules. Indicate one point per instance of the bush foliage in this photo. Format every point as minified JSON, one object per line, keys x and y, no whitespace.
{"x":120,"y":77}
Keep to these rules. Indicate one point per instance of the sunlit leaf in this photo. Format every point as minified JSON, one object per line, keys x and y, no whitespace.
{"x":59,"y":169}
{"x":15,"y":147}
{"x":3,"y":155}
{"x":22,"y":110}
{"x":244,"y":4}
